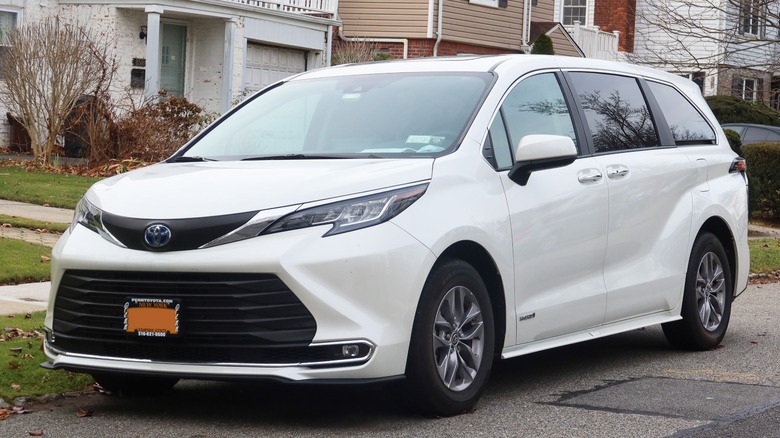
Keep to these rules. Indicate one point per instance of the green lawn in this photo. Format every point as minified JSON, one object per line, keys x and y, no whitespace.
{"x":23,"y":262}
{"x":35,"y":187}
{"x":764,"y":255}
{"x":20,"y":356}
{"x":20,"y":222}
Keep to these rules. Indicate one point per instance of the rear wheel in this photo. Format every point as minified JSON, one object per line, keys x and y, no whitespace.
{"x":130,"y":385}
{"x":451,"y":351}
{"x":706,"y":306}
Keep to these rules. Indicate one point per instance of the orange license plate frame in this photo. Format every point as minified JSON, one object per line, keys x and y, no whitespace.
{"x":152,"y":317}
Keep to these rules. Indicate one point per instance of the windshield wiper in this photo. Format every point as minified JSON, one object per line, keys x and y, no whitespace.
{"x":195,"y":159}
{"x":293,"y":157}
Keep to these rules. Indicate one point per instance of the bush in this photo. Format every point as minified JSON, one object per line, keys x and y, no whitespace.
{"x":543,"y":46}
{"x":764,"y":189}
{"x":735,"y":141}
{"x":729,"y":109}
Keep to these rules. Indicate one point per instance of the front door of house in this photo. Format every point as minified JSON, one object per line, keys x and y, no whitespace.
{"x":172,"y":50}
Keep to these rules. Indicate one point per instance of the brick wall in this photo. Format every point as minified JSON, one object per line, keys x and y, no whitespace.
{"x":617,"y":15}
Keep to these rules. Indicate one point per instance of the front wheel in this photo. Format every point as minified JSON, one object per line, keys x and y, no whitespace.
{"x":453,"y":339}
{"x":706,"y":306}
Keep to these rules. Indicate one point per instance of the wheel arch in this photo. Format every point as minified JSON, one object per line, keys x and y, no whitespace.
{"x":479,"y":258}
{"x":718,"y":227}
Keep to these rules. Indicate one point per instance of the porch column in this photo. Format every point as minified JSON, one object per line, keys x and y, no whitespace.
{"x":227,"y":64}
{"x":152,"y":86}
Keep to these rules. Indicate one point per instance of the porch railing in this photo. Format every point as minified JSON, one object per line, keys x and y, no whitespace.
{"x":326,"y":7}
{"x":595,"y":43}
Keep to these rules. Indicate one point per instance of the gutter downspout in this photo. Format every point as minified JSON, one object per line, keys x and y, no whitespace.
{"x":404,"y":41}
{"x":439,"y":29}
{"x":525,"y":45}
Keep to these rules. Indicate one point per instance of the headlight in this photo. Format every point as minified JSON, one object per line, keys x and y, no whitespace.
{"x":91,"y":217}
{"x":352,"y":214}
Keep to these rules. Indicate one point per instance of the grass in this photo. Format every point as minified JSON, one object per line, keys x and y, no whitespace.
{"x":23,"y":262}
{"x":20,"y":222}
{"x":35,"y":187}
{"x":764,"y":255}
{"x":21,"y":353}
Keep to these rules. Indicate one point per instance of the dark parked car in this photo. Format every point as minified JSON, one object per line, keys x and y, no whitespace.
{"x":753,"y":133}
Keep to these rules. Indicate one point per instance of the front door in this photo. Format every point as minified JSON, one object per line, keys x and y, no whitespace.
{"x":172,"y":50}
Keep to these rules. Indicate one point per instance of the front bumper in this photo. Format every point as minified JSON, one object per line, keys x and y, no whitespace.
{"x":361,"y":289}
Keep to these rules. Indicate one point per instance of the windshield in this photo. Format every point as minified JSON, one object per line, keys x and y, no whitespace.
{"x":385,"y":115}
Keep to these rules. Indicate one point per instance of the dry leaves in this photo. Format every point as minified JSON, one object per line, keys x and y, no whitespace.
{"x":82,"y":413}
{"x":16,"y":410}
{"x":45,"y":259}
{"x":36,"y":432}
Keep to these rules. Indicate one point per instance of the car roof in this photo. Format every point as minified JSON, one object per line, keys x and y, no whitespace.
{"x":495,"y":63}
{"x":752,"y":125}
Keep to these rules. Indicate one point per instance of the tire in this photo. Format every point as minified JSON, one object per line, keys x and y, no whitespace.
{"x":706,"y":305}
{"x":452,"y":343}
{"x":131,"y":385}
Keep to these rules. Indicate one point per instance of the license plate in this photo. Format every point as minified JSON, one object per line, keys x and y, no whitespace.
{"x":152,"y":317}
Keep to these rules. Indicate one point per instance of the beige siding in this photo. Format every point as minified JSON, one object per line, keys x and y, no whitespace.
{"x":543,"y":11}
{"x":384,"y":19}
{"x":483,"y":25}
{"x":562,"y":45}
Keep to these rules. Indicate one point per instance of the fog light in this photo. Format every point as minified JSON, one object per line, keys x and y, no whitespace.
{"x":350,"y":350}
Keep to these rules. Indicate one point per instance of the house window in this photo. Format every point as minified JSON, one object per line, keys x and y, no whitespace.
{"x":574,"y":10}
{"x":751,"y":14}
{"x":7,"y":22}
{"x":746,"y":89}
{"x":492,"y":3}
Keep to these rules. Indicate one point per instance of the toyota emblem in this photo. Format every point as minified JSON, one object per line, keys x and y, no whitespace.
{"x":157,"y":235}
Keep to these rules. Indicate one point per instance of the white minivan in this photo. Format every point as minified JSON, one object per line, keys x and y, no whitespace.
{"x":409,"y":220}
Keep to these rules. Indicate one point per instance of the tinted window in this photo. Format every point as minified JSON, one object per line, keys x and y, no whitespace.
{"x":616,"y":112}
{"x":500,"y":143}
{"x":687,"y":124}
{"x":536,"y":106}
{"x":756,"y":135}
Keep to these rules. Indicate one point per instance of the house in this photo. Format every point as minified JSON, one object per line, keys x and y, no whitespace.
{"x":210,"y":51}
{"x":416,"y":28}
{"x":727,"y":47}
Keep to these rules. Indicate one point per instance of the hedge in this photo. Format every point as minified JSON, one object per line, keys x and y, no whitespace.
{"x":729,"y":109}
{"x":763,"y":160}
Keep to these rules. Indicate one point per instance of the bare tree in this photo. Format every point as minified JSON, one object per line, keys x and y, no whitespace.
{"x":48,"y":67}
{"x":701,"y":34}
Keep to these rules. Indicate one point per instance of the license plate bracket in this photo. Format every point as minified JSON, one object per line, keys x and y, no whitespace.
{"x":151,"y":317}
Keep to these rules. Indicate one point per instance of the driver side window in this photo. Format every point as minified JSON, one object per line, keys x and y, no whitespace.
{"x":534,"y":106}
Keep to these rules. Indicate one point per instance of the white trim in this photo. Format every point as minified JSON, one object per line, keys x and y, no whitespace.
{"x":490,"y":3}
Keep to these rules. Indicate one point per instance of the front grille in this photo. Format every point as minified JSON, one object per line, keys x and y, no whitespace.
{"x":224,"y":318}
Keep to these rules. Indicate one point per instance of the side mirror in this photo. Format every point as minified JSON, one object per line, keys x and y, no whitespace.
{"x":539,"y":152}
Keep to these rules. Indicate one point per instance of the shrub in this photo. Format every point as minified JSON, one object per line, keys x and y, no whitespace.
{"x":543,"y":46}
{"x":764,"y":189}
{"x":729,"y":109}
{"x":735,"y":140}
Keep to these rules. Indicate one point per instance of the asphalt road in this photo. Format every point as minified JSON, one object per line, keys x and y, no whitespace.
{"x":629,"y":385}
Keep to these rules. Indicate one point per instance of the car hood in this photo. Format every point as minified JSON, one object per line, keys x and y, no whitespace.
{"x":188,"y":190}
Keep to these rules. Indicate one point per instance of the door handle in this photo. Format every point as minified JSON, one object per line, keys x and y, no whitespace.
{"x":617,"y":171}
{"x":589,"y":176}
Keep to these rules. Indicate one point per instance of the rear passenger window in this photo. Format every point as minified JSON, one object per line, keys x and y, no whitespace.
{"x":616,"y":112}
{"x":687,"y":124}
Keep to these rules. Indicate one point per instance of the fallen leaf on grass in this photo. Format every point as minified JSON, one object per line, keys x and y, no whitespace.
{"x":13,"y":366}
{"x":16,"y":386}
{"x":45,"y":259}
{"x":7,"y":225}
{"x":84,"y":413}
{"x":28,"y":316}
{"x":36,"y":432}
{"x":28,"y":356}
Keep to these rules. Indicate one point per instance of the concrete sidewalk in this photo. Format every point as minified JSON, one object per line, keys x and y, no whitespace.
{"x":29,"y":297}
